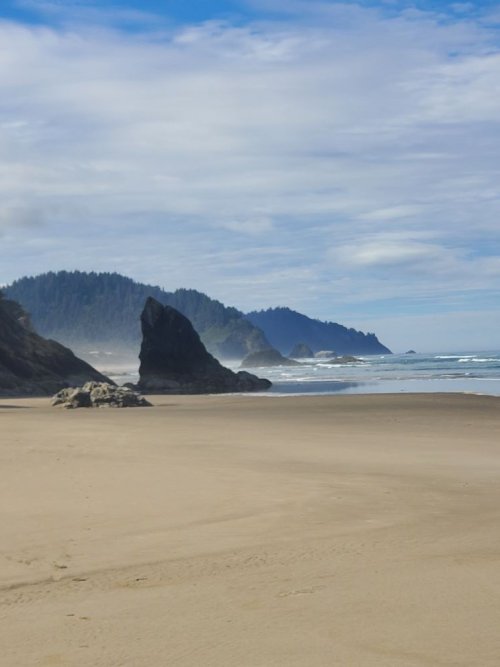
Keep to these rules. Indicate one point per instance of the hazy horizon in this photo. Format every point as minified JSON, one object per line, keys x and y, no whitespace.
{"x":338,"y":158}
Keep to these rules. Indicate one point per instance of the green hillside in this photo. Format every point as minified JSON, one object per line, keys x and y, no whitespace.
{"x":85,"y":310}
{"x":285,"y":328}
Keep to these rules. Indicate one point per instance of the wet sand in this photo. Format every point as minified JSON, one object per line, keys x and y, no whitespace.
{"x":248,"y":531}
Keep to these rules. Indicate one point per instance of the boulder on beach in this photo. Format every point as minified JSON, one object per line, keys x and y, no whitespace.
{"x":269,"y":357}
{"x":99,"y":395}
{"x":175,"y":361}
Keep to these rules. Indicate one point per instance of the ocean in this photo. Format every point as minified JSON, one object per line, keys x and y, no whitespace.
{"x":470,"y":372}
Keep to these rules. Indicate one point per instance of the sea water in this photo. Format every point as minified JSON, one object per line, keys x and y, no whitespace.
{"x":392,"y":373}
{"x":470,"y":372}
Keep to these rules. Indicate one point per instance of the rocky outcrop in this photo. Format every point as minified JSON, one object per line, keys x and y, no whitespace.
{"x":347,"y":359}
{"x":99,"y":395}
{"x":301,"y":351}
{"x":175,"y":361}
{"x":31,"y":365}
{"x":269,"y":357}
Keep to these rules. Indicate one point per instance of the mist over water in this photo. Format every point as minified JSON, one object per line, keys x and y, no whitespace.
{"x":471,"y":372}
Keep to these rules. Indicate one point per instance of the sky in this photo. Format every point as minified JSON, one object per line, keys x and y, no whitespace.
{"x":339,"y":158}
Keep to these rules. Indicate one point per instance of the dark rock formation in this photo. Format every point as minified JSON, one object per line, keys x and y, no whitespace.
{"x":301,"y":351}
{"x":347,"y":359}
{"x":269,"y":357}
{"x":175,"y":361}
{"x":31,"y":365}
{"x":99,"y":395}
{"x":410,"y":352}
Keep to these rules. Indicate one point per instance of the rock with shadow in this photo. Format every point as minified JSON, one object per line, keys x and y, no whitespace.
{"x":34,"y":366}
{"x":99,"y":395}
{"x":175,"y":361}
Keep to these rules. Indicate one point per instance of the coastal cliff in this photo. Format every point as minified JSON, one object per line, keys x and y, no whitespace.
{"x":284,"y":327}
{"x":32,"y":365}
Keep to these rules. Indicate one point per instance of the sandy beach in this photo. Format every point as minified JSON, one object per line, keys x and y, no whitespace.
{"x":357,"y":531}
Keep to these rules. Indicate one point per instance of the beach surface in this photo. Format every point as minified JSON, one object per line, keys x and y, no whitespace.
{"x":250,"y":531}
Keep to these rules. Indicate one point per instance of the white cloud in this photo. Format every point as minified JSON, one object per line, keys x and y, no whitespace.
{"x":392,"y":213}
{"x":251,"y":226}
{"x":385,"y":253}
{"x":21,"y":216}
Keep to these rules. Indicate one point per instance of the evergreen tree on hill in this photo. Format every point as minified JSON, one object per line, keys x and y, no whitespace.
{"x":96,"y":309}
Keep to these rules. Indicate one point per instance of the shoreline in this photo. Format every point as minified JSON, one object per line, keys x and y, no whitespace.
{"x":217,"y":530}
{"x":39,"y":401}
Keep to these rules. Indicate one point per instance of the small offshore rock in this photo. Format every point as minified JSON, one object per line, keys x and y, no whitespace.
{"x":346,"y":359}
{"x":269,"y":357}
{"x":99,"y":395}
{"x":301,"y":351}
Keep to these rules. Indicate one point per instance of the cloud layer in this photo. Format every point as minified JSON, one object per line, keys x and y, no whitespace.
{"x":339,"y":162}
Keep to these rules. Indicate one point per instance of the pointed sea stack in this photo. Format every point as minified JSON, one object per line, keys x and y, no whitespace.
{"x":175,"y":361}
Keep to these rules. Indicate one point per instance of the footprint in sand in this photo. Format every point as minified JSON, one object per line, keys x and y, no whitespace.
{"x":300,"y":591}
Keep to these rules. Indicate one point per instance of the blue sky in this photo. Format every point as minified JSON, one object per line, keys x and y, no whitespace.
{"x":339,"y":158}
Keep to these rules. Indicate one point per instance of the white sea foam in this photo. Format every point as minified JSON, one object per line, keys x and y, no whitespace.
{"x":476,"y":360}
{"x":456,"y":356}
